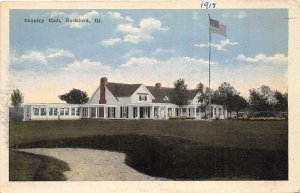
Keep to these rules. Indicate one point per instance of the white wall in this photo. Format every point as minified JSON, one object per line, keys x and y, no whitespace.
{"x":110,"y":99}
{"x":141,"y":89}
{"x":94,"y":99}
{"x":195,"y":100}
{"x":124,"y":100}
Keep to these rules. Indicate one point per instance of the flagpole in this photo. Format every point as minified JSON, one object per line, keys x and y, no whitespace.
{"x":209,"y":55}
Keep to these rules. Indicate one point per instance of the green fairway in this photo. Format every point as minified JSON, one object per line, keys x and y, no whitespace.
{"x":183,"y":150}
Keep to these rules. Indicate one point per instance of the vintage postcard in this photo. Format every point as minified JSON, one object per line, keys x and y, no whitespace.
{"x":180,"y":96}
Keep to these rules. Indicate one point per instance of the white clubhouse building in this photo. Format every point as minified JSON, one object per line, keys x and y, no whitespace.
{"x":124,"y":101}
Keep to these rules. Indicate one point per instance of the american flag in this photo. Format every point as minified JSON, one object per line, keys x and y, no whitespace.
{"x":216,"y":27}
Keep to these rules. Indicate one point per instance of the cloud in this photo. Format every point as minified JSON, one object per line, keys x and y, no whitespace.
{"x":149,"y":70}
{"x":133,"y":52}
{"x":262,"y":58}
{"x":77,"y":25}
{"x":32,"y":56}
{"x":181,"y":61}
{"x":56,"y":53}
{"x":48,"y":60}
{"x":111,"y":42}
{"x":142,"y":61}
{"x":191,"y":61}
{"x":220,"y":46}
{"x":240,"y":15}
{"x":86,"y":65}
{"x":117,"y":16}
{"x":143,"y":32}
{"x":160,"y":51}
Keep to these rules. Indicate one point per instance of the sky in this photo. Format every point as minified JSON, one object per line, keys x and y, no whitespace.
{"x":146,"y":46}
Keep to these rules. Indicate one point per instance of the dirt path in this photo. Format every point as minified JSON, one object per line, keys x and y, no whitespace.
{"x":90,"y":164}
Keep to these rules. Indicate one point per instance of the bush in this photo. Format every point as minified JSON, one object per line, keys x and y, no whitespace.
{"x":16,"y":114}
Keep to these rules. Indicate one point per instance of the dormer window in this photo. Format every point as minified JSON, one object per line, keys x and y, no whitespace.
{"x":166,"y":98}
{"x":143,"y":98}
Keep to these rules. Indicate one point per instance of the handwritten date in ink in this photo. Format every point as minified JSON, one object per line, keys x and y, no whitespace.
{"x":208,"y":5}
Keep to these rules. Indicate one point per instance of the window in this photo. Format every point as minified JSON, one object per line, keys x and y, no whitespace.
{"x":55,"y":111}
{"x":84,"y":112}
{"x":78,"y":111}
{"x":62,"y":111}
{"x":169,"y":111}
{"x":143,"y":98}
{"x":50,"y":111}
{"x":166,"y":98}
{"x":111,"y":112}
{"x":67,"y":111}
{"x":73,"y":111}
{"x":93,"y":112}
{"x":135,"y":112}
{"x":124,"y":112}
{"x":43,"y":111}
{"x":36,"y":111}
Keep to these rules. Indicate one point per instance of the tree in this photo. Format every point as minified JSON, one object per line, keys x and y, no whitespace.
{"x":256,"y":100}
{"x":203,"y":97}
{"x":262,"y":99}
{"x":179,"y":94}
{"x":75,"y":96}
{"x":281,"y":101}
{"x":239,"y":103}
{"x":268,"y":96}
{"x":17,"y":99}
{"x":225,"y":95}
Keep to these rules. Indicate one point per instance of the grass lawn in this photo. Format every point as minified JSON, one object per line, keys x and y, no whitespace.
{"x":29,"y":167}
{"x":180,"y":150}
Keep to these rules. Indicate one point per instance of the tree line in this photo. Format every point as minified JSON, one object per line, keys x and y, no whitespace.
{"x":262,"y":99}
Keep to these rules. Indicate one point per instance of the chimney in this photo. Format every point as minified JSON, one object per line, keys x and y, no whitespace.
{"x":103,"y":83}
{"x":158,"y":85}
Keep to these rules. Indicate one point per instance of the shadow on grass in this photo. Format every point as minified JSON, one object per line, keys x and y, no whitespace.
{"x":30,"y":167}
{"x":180,"y":159}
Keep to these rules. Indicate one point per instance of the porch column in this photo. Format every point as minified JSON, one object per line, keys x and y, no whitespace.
{"x":47,"y":112}
{"x":195,"y":112}
{"x":213,"y":110}
{"x":138,"y":112}
{"x":158,"y":112}
{"x":58,"y":113}
{"x":31,"y":111}
{"x":89,"y":112}
{"x":130,"y":112}
{"x":167,"y":112}
{"x":104,"y":109}
{"x":96,"y":112}
{"x":181,"y":111}
{"x":152,"y":112}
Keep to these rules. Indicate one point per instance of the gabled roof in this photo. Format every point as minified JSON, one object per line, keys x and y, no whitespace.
{"x":122,"y":90}
{"x":160,"y":93}
{"x":192,"y":93}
